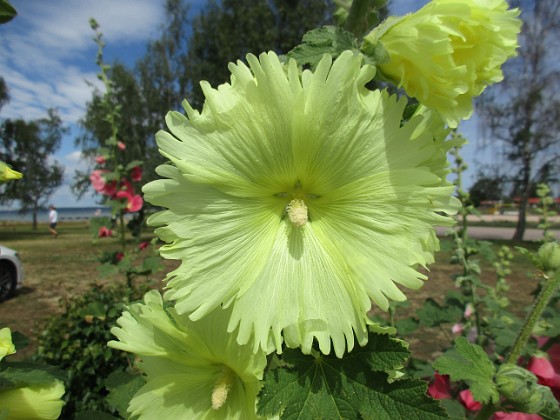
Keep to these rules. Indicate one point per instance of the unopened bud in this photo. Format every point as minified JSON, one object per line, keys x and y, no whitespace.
{"x":549,"y":256}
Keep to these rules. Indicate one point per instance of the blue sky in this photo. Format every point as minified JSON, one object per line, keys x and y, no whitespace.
{"x":48,"y":56}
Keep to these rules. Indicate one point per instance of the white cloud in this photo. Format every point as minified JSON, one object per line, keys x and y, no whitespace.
{"x":48,"y":53}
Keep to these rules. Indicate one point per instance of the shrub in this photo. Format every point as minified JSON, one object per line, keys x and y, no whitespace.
{"x":76,"y":341}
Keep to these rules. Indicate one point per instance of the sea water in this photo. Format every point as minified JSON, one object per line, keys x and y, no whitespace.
{"x":64,"y":214}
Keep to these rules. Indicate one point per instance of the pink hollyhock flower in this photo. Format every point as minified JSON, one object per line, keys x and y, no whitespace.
{"x":440,"y":387}
{"x":104,"y":232}
{"x":136,"y":174}
{"x":143,"y":245}
{"x":544,"y":370}
{"x":554,"y":356}
{"x":119,"y":256}
{"x":457,"y":329}
{"x":469,"y":310}
{"x":468,"y":401}
{"x":97,"y":180}
{"x":121,"y":145}
{"x":126,"y":186}
{"x":100,"y":160}
{"x":134,"y":201}
{"x":500,"y":415}
{"x":100,"y":185}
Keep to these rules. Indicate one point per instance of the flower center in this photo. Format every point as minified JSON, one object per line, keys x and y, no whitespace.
{"x":220,"y":391}
{"x":297,"y":212}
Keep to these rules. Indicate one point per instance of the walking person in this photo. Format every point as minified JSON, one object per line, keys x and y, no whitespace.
{"x":53,"y":219}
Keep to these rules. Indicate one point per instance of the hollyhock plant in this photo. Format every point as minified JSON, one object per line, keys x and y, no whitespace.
{"x":457,"y":328}
{"x":298,"y":198}
{"x":99,"y":183}
{"x":546,"y":373}
{"x":136,"y":174}
{"x":105,"y":232}
{"x":134,"y":202}
{"x":446,"y":53}
{"x":193,"y":369}
{"x":468,"y":401}
{"x":440,"y":388}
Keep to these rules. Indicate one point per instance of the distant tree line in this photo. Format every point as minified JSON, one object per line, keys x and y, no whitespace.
{"x":522,"y":114}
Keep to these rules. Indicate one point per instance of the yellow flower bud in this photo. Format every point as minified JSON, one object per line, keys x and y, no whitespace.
{"x":6,"y":345}
{"x":7,"y":173}
{"x":446,"y":53}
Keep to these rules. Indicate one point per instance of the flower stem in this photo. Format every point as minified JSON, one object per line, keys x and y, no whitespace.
{"x":357,"y":18}
{"x":539,"y":305}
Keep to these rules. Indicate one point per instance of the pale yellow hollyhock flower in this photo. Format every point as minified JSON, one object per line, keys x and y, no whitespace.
{"x":33,"y":402}
{"x":446,"y":53}
{"x":194,"y":370}
{"x":6,"y":345}
{"x":298,"y":198}
{"x":7,"y":173}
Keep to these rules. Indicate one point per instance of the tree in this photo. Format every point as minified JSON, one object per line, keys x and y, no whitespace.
{"x":227,"y":31}
{"x":4,"y":93}
{"x":486,"y":188}
{"x":28,"y":147}
{"x":523,"y":113}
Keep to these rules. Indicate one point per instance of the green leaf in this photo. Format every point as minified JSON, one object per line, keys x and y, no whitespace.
{"x":454,"y":409}
{"x":94,"y":415}
{"x":20,"y":340}
{"x":7,"y":12}
{"x":19,"y":374}
{"x":432,"y":314}
{"x":106,"y":270}
{"x":133,"y":164}
{"x":318,"y":386}
{"x":152,"y":264}
{"x":122,"y":386}
{"x":470,"y":363}
{"x":376,"y":54}
{"x":331,"y":40}
{"x":407,"y":325}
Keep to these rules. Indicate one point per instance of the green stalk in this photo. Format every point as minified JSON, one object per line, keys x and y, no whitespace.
{"x":539,"y":306}
{"x":357,"y":18}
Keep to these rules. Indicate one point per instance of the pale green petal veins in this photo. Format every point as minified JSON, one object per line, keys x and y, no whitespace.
{"x":188,"y":363}
{"x":295,"y":199}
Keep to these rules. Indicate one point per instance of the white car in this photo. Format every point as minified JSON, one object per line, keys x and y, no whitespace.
{"x":11,"y":272}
